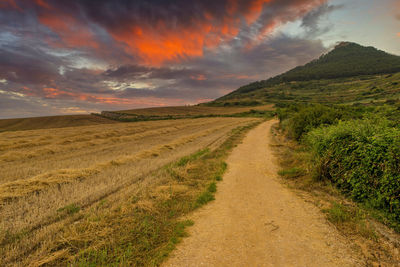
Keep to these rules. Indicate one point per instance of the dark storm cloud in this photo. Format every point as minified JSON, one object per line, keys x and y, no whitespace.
{"x":138,"y":71}
{"x":312,"y":20}
{"x":27,"y":65}
{"x":125,"y":54}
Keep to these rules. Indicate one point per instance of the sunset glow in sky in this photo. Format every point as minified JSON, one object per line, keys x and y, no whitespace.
{"x":69,"y":57}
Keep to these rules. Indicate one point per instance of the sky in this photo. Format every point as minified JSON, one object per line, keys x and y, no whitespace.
{"x":74,"y":57}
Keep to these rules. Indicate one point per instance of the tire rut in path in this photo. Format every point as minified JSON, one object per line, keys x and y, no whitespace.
{"x":256,"y":221}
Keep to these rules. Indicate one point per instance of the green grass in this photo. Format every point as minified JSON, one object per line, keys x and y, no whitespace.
{"x":204,"y":198}
{"x":292,"y":172}
{"x":207,"y":195}
{"x":70,"y":209}
{"x":349,"y":218}
{"x":338,"y":214}
{"x":185,"y":160}
{"x":212,"y":188}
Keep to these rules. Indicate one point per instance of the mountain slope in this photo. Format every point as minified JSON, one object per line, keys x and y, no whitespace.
{"x":346,"y":60}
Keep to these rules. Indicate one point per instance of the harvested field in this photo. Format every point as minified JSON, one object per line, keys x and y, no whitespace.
{"x":51,"y":122}
{"x":50,"y":176}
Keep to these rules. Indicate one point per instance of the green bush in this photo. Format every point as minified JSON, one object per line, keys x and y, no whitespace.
{"x":362,"y":157}
{"x":300,"y":119}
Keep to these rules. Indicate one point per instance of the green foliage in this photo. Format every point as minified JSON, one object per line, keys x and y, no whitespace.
{"x":212,"y":188}
{"x":245,"y":103}
{"x":218,"y":176}
{"x":70,"y":209}
{"x":362,"y":157}
{"x":338,"y":214}
{"x":185,"y":160}
{"x":204,"y":198}
{"x":255,"y":113}
{"x":207,"y":195}
{"x":348,"y":217}
{"x":292,"y":172}
{"x":300,"y":119}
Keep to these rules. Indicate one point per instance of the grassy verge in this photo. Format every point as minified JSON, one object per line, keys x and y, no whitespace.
{"x":143,"y":227}
{"x":379,"y":244}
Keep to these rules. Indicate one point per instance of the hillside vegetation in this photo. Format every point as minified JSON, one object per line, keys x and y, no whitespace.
{"x":349,"y":73}
{"x":346,"y":60}
{"x":360,"y":89}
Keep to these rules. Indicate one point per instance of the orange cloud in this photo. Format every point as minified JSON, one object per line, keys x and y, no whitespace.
{"x":42,"y":3}
{"x":254,"y":10}
{"x":156,"y":44}
{"x":199,"y":77}
{"x":54,"y":93}
{"x":159,"y":43}
{"x":72,"y":32}
{"x":398,"y":34}
{"x":160,"y":40}
{"x":9,"y":4}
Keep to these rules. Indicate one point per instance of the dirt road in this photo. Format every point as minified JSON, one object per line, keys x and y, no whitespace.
{"x":256,"y":221}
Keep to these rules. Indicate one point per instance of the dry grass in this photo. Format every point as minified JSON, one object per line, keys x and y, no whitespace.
{"x":66,"y":192}
{"x":379,"y":244}
{"x":51,"y":122}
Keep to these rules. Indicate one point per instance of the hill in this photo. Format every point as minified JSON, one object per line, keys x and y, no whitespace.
{"x":348,"y":63}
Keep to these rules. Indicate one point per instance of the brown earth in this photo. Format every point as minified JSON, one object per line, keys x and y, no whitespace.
{"x":256,"y":221}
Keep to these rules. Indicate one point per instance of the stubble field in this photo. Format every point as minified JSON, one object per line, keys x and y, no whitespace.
{"x":52,"y":180}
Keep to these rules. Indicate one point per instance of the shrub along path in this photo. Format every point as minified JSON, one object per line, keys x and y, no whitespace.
{"x":256,"y":221}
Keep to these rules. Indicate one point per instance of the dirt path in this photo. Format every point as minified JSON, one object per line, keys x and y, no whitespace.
{"x":255,"y":221}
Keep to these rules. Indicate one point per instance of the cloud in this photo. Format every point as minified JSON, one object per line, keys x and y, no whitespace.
{"x":94,"y":55}
{"x":155,"y":32}
{"x":219,"y":71}
{"x":311,"y":22}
